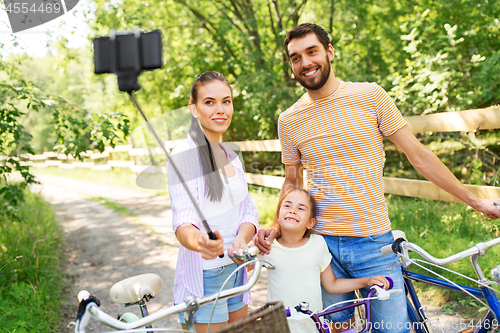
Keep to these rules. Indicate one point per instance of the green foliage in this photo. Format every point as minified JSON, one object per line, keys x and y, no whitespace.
{"x":261,"y":98}
{"x":365,"y":35}
{"x":68,"y":77}
{"x":242,"y":40}
{"x":473,"y":159}
{"x":446,"y":70}
{"x":435,"y":55}
{"x":476,"y":173}
{"x":31,"y":280}
{"x":266,"y":201}
{"x":76,"y":129}
{"x":14,"y":140}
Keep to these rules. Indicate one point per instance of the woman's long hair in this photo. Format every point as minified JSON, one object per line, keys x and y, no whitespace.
{"x":213,"y":180}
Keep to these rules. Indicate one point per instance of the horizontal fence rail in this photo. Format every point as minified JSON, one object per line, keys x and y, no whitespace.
{"x":470,"y":120}
{"x":463,"y":121}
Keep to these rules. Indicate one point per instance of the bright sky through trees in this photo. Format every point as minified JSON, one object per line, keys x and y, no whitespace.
{"x":33,"y":42}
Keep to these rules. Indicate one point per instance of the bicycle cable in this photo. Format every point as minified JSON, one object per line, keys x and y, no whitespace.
{"x":415,"y":261}
{"x":224,"y":284}
{"x":347,"y":301}
{"x":337,"y":304}
{"x":461,"y":275}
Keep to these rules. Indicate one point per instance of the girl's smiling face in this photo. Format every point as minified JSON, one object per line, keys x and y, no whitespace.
{"x":214,"y":109}
{"x":295,"y":213}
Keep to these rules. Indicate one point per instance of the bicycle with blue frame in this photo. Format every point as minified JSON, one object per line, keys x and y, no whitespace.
{"x":484,"y":293}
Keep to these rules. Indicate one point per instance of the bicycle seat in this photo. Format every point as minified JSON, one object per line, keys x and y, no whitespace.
{"x":134,"y":289}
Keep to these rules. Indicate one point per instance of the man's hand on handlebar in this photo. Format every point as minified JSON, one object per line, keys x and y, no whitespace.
{"x":489,"y":208}
{"x":265,"y":237}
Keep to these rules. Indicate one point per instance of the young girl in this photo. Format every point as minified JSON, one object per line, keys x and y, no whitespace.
{"x":302,"y":261}
{"x":214,"y":175}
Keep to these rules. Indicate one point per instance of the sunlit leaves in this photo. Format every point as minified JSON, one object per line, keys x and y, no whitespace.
{"x":77,"y":129}
{"x":440,"y":74}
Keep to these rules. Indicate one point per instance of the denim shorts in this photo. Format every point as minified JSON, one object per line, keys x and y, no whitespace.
{"x":356,"y":257}
{"x":213,"y":279}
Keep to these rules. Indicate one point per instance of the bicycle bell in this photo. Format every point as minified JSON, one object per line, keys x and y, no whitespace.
{"x":495,"y":273}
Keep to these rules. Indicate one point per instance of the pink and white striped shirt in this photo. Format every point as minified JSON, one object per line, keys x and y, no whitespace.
{"x":189,"y":270}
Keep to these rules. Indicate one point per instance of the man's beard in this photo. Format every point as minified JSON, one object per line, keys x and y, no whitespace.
{"x":324,"y":71}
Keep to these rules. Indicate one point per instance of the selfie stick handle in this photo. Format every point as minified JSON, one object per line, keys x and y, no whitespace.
{"x":211,"y":235}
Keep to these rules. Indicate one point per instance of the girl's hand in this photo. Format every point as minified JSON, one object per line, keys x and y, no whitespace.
{"x":238,"y":243}
{"x":379,"y":281}
{"x":208,"y":248}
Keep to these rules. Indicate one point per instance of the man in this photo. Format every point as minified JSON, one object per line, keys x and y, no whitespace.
{"x":335,"y":131}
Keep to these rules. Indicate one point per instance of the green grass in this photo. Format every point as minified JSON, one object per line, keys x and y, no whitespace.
{"x":265,"y":200}
{"x":31,"y":280}
{"x":443,"y":229}
{"x":120,"y":209}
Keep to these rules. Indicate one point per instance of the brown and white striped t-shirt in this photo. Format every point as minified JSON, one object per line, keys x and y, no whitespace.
{"x":338,"y":139}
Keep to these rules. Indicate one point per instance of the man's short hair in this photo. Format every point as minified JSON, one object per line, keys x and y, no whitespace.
{"x":304,"y":29}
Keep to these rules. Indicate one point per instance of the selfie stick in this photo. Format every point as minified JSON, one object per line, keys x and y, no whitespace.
{"x":211,"y":235}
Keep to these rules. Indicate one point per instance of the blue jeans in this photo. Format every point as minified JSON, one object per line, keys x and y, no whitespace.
{"x":356,"y":257}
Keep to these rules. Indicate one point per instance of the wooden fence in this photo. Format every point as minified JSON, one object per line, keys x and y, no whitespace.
{"x":463,"y":121}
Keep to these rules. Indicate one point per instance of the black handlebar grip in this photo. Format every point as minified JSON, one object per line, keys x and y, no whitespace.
{"x":212,"y":236}
{"x":395,"y":245}
{"x":83,"y":305}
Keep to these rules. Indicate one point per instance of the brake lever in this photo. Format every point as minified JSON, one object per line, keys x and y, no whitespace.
{"x":383,"y":294}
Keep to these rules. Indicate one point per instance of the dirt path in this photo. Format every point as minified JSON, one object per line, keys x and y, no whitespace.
{"x":103,"y":247}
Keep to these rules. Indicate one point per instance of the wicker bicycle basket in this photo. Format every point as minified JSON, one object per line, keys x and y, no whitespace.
{"x":270,"y":318}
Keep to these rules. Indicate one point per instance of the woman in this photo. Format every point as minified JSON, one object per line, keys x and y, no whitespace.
{"x":215,"y":177}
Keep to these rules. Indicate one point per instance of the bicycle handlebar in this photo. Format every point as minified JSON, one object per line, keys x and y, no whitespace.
{"x":383,"y":294}
{"x":246,"y":254}
{"x":89,"y":305}
{"x":375,"y":292}
{"x":401,"y":245}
